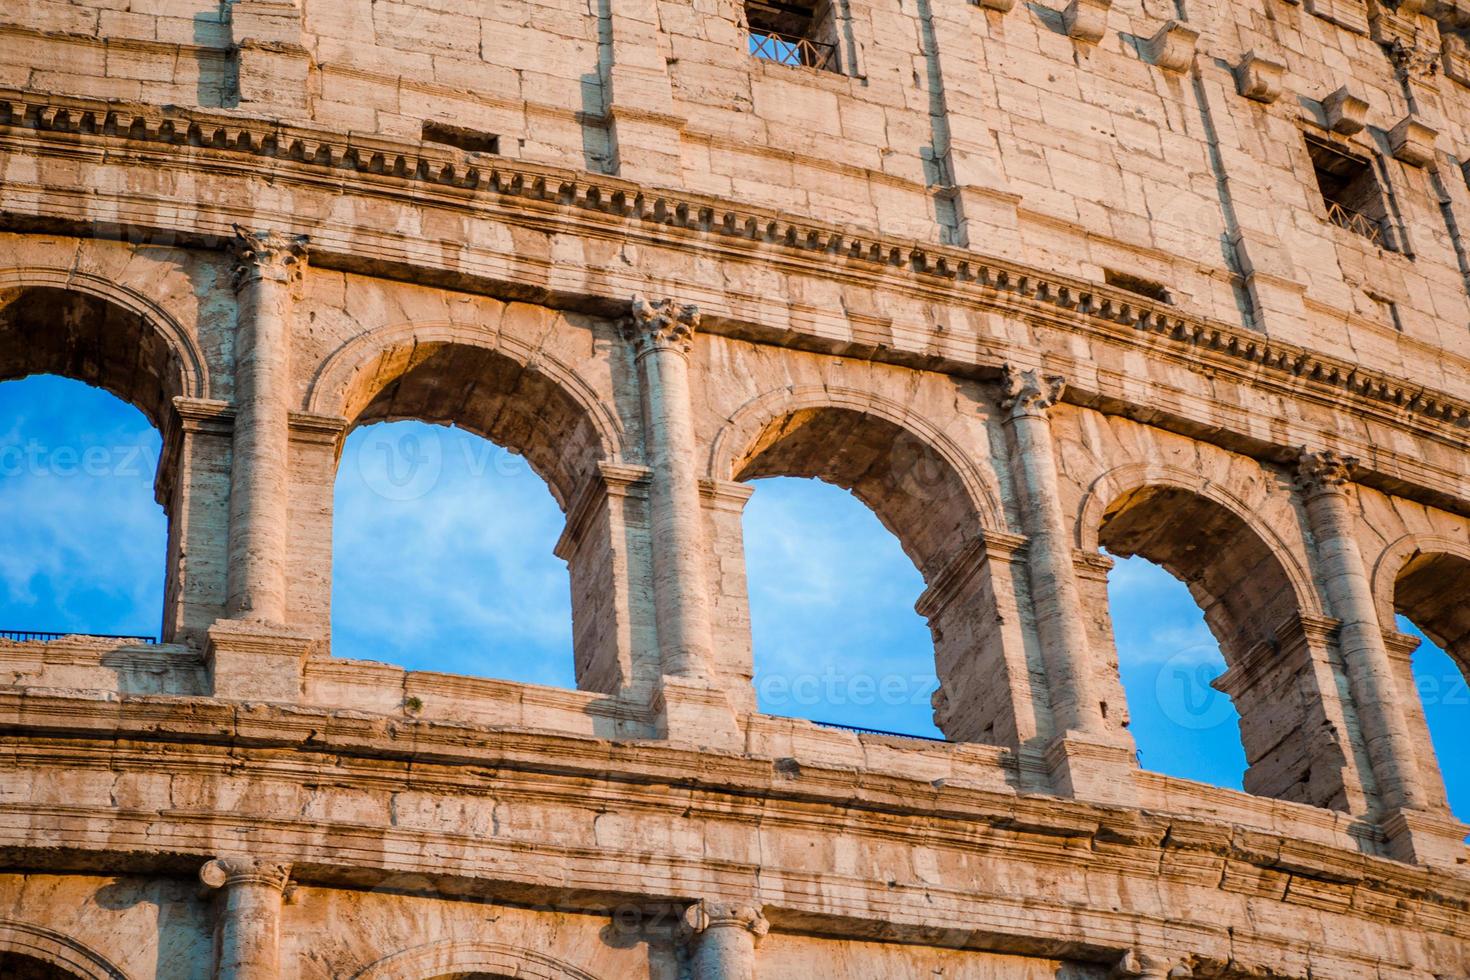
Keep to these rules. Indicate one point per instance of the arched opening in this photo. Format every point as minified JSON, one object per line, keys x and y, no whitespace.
{"x":82,"y":548}
{"x":93,"y":553}
{"x":442,"y":557}
{"x":17,"y":966}
{"x":444,"y":529}
{"x":1431,"y":597}
{"x":1169,"y":660}
{"x":1252,"y":610}
{"x":919,"y":502}
{"x":835,"y":636}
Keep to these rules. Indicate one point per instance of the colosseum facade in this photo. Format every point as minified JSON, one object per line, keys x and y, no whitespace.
{"x":1035,"y":281}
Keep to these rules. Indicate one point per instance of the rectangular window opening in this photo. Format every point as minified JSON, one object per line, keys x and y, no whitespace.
{"x":1156,"y":291}
{"x":469,"y":140}
{"x":1350,"y":191}
{"x":793,"y":32}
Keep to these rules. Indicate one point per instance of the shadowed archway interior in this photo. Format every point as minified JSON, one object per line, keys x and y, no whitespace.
{"x":16,"y":966}
{"x":1251,"y":607}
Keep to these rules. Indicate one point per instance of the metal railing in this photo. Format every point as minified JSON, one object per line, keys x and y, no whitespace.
{"x":787,"y":49}
{"x":34,"y":636}
{"x":876,"y":731}
{"x":1356,"y":222}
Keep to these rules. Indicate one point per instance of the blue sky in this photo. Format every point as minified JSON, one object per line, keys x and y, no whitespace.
{"x":443,"y":562}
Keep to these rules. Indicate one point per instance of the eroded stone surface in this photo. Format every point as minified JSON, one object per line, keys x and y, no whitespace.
{"x":1029,"y":280}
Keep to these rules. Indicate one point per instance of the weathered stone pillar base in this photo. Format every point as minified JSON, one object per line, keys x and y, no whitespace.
{"x":1097,"y":772}
{"x":689,"y":711}
{"x":256,"y":661}
{"x":1418,"y":837}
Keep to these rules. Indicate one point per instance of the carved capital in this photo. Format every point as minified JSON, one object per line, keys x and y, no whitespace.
{"x":268,"y":256}
{"x":1319,"y":471}
{"x":227,"y":872}
{"x":704,"y":915}
{"x":1029,"y":392}
{"x":660,"y":325}
{"x":1137,"y":964}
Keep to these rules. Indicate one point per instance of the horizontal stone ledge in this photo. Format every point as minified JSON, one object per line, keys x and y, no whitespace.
{"x":208,"y":736}
{"x":540,"y":187}
{"x":595,"y":880}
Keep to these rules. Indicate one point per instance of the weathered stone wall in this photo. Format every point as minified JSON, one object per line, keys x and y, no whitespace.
{"x":925,"y":278}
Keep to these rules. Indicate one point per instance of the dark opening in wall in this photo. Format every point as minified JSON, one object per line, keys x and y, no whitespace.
{"x":1350,"y":191}
{"x":793,"y":32}
{"x":469,"y":140}
{"x":1137,"y":284}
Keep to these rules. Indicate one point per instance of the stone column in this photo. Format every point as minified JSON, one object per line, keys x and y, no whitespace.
{"x":267,"y":267}
{"x":249,"y":924}
{"x":1085,"y":758}
{"x":1060,"y":623}
{"x":1322,"y":478}
{"x":722,"y":939}
{"x":662,"y":335}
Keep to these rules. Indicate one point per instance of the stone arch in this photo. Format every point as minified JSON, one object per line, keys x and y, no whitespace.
{"x":1259,"y":603}
{"x":472,"y":957}
{"x":56,"y":949}
{"x":110,"y":336}
{"x":820,"y":431}
{"x":1110,"y":491}
{"x":533,"y":403}
{"x":1427,"y":578}
{"x":939,"y":504}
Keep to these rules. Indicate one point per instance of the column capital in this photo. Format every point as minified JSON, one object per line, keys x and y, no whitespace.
{"x":1136,"y":964}
{"x":226,"y":872}
{"x":269,"y":256}
{"x":1323,"y":471}
{"x":660,"y":325}
{"x":705,"y":915}
{"x":1030,"y":392}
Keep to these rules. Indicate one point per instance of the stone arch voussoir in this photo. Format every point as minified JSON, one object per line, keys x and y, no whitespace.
{"x":340,"y":381}
{"x":57,"y":949}
{"x":495,"y":959}
{"x":188,"y":365}
{"x":733,"y":444}
{"x":1132,"y":477}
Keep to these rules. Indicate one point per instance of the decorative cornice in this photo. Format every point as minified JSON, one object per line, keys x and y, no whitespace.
{"x":660,"y":325}
{"x":1253,"y":356}
{"x":227,"y":872}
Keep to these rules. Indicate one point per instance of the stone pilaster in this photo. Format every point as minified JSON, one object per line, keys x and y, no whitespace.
{"x":1084,"y":758}
{"x":688,"y":703}
{"x":267,"y":267}
{"x":193,"y":484}
{"x":605,"y":546}
{"x":248,"y":927}
{"x":722,"y":939}
{"x":1323,"y":478}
